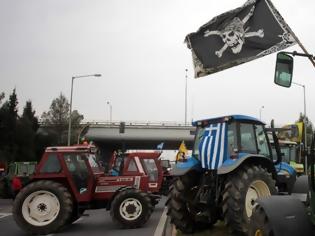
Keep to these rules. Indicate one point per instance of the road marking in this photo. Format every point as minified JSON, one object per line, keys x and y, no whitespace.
{"x":161,"y":226}
{"x":2,"y":215}
{"x":77,"y":220}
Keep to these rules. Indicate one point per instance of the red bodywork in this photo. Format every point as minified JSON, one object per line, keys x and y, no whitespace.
{"x":97,"y":185}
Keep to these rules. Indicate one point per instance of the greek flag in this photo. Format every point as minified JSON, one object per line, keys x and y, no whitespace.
{"x":213,"y":146}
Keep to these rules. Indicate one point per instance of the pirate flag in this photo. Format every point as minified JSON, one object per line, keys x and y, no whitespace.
{"x":249,"y":32}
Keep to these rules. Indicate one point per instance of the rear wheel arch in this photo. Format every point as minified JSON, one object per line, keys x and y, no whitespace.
{"x":264,"y":162}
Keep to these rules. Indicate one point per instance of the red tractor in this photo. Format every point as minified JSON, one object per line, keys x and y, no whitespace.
{"x":68,"y":180}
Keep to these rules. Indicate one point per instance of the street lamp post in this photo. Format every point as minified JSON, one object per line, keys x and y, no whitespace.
{"x":304,"y":120}
{"x":260,"y":110}
{"x":110,"y":111}
{"x":70,"y":112}
{"x":186,"y":96}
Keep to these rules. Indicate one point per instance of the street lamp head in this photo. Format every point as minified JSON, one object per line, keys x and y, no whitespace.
{"x":97,"y":75}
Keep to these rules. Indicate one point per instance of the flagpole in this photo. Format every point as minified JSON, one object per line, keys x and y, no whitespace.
{"x":302,"y":47}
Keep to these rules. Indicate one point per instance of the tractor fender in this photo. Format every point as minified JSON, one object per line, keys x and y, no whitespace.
{"x":286,"y":215}
{"x":232,"y":164}
{"x":182,"y":167}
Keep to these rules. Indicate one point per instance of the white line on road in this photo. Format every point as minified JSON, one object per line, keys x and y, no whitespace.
{"x":77,"y":220}
{"x":160,"y":228}
{"x":2,"y":215}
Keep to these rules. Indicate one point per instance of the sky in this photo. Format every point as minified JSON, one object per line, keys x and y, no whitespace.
{"x":138,"y":47}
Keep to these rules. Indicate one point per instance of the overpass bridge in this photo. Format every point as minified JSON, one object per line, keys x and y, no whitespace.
{"x":111,"y":136}
{"x":132,"y":135}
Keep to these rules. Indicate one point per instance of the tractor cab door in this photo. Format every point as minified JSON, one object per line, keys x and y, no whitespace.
{"x":154,"y":172}
{"x":81,"y":175}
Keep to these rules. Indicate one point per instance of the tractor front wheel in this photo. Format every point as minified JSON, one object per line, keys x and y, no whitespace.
{"x":42,"y":207}
{"x":242,"y":189}
{"x":131,"y":208}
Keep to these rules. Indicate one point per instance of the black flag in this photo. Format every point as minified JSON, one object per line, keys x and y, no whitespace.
{"x":249,"y":32}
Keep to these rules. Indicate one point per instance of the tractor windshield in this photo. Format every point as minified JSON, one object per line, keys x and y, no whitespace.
{"x":198,"y":137}
{"x":151,"y":169}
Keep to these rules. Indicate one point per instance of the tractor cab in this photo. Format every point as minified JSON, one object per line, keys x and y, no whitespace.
{"x":221,"y":143}
{"x":139,"y":164}
{"x":73,"y":166}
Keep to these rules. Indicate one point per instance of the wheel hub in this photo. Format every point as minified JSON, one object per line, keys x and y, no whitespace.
{"x":40,"y":208}
{"x":257,"y":189}
{"x":130,"y":209}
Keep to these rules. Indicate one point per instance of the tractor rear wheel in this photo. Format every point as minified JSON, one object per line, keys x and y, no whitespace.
{"x":242,"y":189}
{"x":180,"y":208}
{"x":42,"y":207}
{"x":131,"y":208}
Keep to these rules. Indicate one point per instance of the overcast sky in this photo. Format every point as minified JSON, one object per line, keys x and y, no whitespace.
{"x":138,"y":47}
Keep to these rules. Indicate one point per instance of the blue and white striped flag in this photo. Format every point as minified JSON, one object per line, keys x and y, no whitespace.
{"x":213,"y":146}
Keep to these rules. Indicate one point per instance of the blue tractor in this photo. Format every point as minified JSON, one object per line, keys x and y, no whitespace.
{"x":231,"y":166}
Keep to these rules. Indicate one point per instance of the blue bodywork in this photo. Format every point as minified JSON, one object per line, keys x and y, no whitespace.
{"x":190,"y":163}
{"x":234,"y":117}
{"x":283,"y":166}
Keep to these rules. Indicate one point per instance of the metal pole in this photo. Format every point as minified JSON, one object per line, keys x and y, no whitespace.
{"x":186,"y":97}
{"x":260,"y":112}
{"x":305,"y":128}
{"x":304,"y":122}
{"x":70,"y":112}
{"x":69,"y":128}
{"x":302,"y":47}
{"x":110,"y":111}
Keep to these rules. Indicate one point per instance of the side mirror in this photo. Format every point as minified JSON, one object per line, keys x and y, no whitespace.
{"x":284,"y":70}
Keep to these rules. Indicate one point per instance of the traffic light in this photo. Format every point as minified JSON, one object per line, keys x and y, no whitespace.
{"x":122,"y":127}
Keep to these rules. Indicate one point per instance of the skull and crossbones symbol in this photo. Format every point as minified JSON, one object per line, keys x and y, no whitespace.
{"x":234,"y":34}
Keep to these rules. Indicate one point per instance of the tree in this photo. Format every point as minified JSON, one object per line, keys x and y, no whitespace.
{"x":2,"y":95}
{"x":29,"y":114}
{"x":8,"y":122}
{"x":57,"y":118}
{"x":27,"y":126}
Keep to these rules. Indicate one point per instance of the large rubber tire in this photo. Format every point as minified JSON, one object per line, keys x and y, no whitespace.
{"x":259,"y":224}
{"x":131,"y":208}
{"x":242,"y":188}
{"x":179,"y":211}
{"x":42,"y":207}
{"x":301,"y":185}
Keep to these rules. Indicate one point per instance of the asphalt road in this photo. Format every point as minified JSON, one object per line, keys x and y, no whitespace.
{"x":97,"y":223}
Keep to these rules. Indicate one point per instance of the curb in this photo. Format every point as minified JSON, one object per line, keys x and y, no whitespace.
{"x":161,"y":228}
